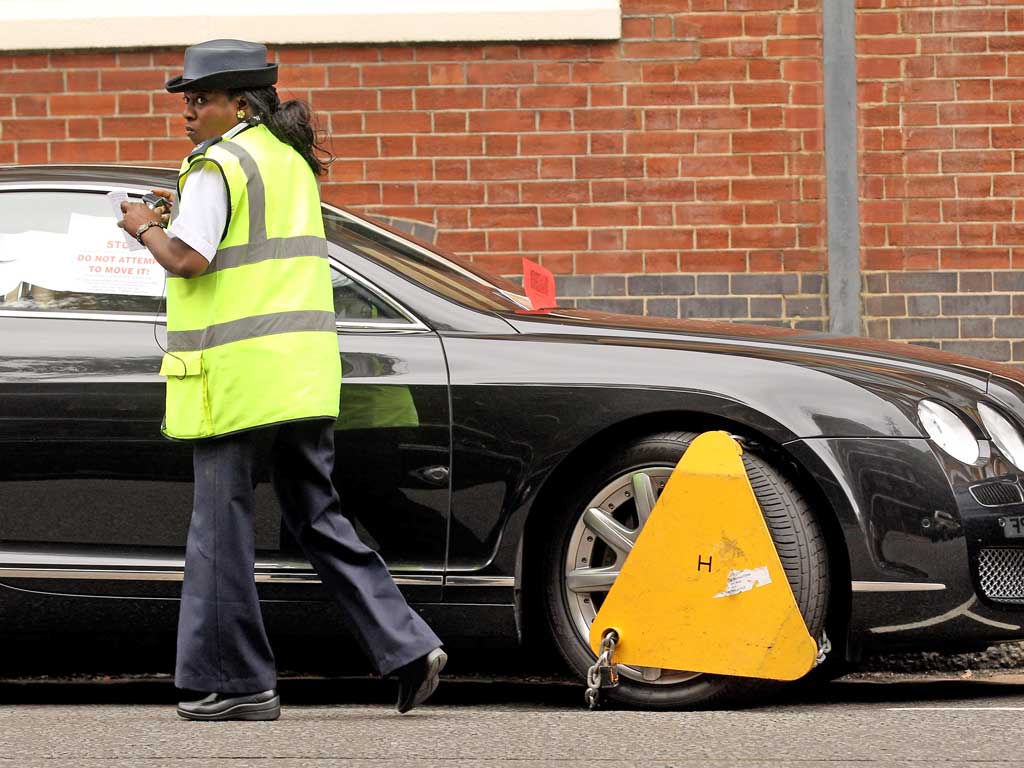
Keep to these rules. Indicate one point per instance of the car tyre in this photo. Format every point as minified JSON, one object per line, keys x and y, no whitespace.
{"x":797,"y":536}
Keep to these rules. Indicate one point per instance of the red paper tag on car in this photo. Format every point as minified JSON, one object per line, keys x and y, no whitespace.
{"x":539,"y":285}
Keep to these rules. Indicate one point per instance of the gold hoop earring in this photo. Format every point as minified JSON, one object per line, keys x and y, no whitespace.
{"x":240,"y":114}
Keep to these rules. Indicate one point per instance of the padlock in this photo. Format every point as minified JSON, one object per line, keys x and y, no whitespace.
{"x":608,"y":676}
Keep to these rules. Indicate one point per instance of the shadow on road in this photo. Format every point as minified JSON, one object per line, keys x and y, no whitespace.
{"x":552,"y":693}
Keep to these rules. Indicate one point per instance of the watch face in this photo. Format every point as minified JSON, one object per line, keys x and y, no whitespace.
{"x":143,"y":228}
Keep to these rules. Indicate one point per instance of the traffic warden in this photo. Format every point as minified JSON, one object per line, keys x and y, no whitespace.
{"x":253,"y":371}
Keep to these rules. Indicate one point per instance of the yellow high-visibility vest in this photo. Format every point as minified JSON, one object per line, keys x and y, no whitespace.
{"x":252,"y":341}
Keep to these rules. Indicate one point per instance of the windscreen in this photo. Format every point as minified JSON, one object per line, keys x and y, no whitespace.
{"x":442,"y":273}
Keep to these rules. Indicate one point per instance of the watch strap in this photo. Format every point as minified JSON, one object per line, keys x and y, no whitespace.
{"x":144,"y":227}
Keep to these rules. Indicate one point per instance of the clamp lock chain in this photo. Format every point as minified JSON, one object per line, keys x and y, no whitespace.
{"x":824,"y":646}
{"x":603,"y":673}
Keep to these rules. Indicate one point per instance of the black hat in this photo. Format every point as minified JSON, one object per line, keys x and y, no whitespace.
{"x":222,"y":65}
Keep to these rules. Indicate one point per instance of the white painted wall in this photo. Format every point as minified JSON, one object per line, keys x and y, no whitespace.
{"x":72,"y":24}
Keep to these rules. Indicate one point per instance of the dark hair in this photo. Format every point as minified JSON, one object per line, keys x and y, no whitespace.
{"x":290,"y":121}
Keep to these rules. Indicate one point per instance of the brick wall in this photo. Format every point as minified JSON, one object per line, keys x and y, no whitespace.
{"x":970,"y":312}
{"x":942,"y":167}
{"x":792,"y":299}
{"x":691,"y":145}
{"x":677,"y":171}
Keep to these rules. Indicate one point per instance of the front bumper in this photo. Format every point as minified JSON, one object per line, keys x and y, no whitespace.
{"x":930,"y":563}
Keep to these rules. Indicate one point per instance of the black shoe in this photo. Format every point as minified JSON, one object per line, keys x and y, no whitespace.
{"x":418,"y":679}
{"x":265,"y":705}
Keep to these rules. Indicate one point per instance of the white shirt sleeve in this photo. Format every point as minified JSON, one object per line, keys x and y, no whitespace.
{"x":202,"y":211}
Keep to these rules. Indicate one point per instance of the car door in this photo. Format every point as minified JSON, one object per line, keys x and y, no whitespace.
{"x":85,"y":477}
{"x":93,"y":500}
{"x":392,"y":438}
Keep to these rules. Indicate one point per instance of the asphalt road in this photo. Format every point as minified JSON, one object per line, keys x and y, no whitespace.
{"x":352,"y":724}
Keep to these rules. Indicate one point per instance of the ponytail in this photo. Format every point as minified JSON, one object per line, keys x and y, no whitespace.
{"x":291,"y":122}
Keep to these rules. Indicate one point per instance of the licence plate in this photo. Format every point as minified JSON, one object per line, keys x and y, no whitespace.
{"x":1013,"y":527}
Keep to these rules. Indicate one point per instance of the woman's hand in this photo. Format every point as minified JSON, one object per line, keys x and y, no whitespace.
{"x":174,"y":255}
{"x":172,"y":200}
{"x":166,"y":194}
{"x":135,"y":215}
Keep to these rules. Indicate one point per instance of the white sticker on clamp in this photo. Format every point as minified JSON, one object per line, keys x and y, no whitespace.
{"x":744,"y":580}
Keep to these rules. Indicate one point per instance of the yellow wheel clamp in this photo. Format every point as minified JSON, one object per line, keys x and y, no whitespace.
{"x":703,"y":588}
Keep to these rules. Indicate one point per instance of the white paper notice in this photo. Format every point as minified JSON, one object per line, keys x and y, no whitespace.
{"x":10,"y":276}
{"x":39,"y":258}
{"x":116,"y":198}
{"x":91,"y":257}
{"x":744,"y":580}
{"x":103,"y":262}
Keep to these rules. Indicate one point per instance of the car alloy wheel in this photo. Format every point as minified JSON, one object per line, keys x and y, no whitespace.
{"x":592,"y":527}
{"x":598,"y":545}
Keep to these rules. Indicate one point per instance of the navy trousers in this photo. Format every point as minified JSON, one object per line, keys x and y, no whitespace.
{"x":222,"y":644}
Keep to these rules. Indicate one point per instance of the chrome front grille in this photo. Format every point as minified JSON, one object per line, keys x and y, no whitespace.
{"x":1001,"y":573}
{"x":998,"y":494}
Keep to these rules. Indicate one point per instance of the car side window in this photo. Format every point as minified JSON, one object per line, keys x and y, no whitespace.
{"x":61,"y":251}
{"x":354,"y":302}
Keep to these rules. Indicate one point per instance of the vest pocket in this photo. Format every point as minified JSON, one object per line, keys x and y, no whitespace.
{"x":187,"y":413}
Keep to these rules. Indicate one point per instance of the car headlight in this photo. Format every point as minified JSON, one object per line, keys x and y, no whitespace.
{"x":1006,"y":436}
{"x":949,"y":431}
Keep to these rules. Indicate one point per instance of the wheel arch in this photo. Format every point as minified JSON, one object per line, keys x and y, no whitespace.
{"x":529,"y":556}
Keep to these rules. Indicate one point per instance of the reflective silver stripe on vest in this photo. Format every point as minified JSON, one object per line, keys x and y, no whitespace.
{"x":255,"y":191}
{"x":275,"y":248}
{"x":251,"y":328}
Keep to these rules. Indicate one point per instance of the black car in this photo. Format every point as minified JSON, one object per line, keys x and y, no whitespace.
{"x":499,"y":458}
